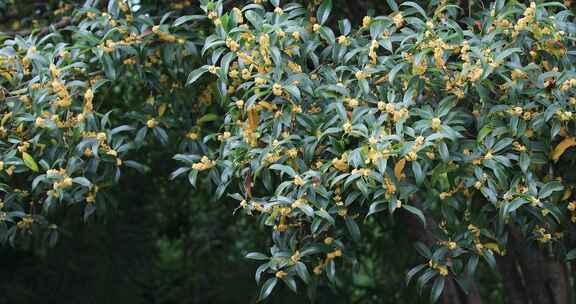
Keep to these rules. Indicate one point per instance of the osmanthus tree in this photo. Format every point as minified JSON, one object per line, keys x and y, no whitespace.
{"x":456,"y":124}
{"x":459,"y":127}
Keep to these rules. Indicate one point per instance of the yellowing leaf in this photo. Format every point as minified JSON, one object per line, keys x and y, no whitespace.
{"x":29,"y":162}
{"x":562,"y":147}
{"x":5,"y":118}
{"x":268,"y":106}
{"x":494,"y":247}
{"x":253,"y":119}
{"x":399,"y":168}
{"x":162,"y":109}
{"x":381,"y":79}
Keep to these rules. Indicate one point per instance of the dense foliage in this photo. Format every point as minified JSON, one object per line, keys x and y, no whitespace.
{"x":451,"y":126}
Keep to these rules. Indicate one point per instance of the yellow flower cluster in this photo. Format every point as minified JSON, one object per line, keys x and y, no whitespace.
{"x":568,"y":84}
{"x":167,"y":37}
{"x":398,"y":19}
{"x":25,"y":223}
{"x":528,"y":18}
{"x":341,"y":163}
{"x":64,"y":100}
{"x":543,"y":236}
{"x":442,"y":269}
{"x":204,"y":164}
{"x":572,"y":208}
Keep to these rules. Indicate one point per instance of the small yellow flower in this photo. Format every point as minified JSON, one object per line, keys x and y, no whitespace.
{"x":341,"y":163}
{"x":292,"y":153}
{"x":54,"y":71}
{"x":347,"y":127}
{"x":246,"y":74}
{"x":40,"y":122}
{"x":277,"y":89}
{"x":192,"y":135}
{"x":399,"y":20}
{"x":281,"y":274}
{"x":224,"y":136}
{"x":298,"y":181}
{"x":213,"y":69}
{"x":360,"y":75}
{"x":436,"y":123}
{"x":443,"y":270}
{"x":366,"y":21}
{"x":101,"y":136}
{"x":318,"y":270}
{"x":151,"y":123}
{"x":295,"y":257}
{"x":259,"y":81}
{"x":316,"y":27}
{"x":353,"y":102}
{"x":343,"y":40}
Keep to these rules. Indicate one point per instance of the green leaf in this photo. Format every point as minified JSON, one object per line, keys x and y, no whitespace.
{"x":394,"y":71}
{"x":192,"y":176}
{"x":418,"y":174}
{"x":416,"y":212}
{"x":284,"y":169}
{"x":490,"y":259}
{"x":331,"y":271}
{"x":550,"y":188}
{"x":325,"y":215}
{"x":353,"y":229}
{"x":515,"y":204}
{"x":324,"y":11}
{"x":437,"y":289}
{"x":417,"y":7}
{"x":294,"y":91}
{"x":309,"y":211}
{"x":571,"y":255}
{"x":257,"y":256}
{"x":208,"y":117}
{"x":413,"y":272}
{"x":376,"y":207}
{"x":194,"y":75}
{"x":267,"y":288}
{"x":291,"y":283}
{"x":524,"y":161}
{"x":82,"y":181}
{"x":302,"y":272}
{"x":184,"y":19}
{"x":30,"y":162}
{"x":471,"y":265}
{"x":327,"y":34}
{"x":392,"y":4}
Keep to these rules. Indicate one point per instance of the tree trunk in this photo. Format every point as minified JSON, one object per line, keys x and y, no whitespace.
{"x":512,"y":280}
{"x":546,"y":280}
{"x":558,"y":282}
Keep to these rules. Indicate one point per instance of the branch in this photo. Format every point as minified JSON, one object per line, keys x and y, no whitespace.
{"x":66,"y":20}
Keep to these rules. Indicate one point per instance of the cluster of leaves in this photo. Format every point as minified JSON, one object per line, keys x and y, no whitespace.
{"x":66,"y":134}
{"x":464,"y":123}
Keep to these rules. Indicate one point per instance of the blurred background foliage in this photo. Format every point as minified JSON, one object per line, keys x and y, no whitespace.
{"x":166,"y":243}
